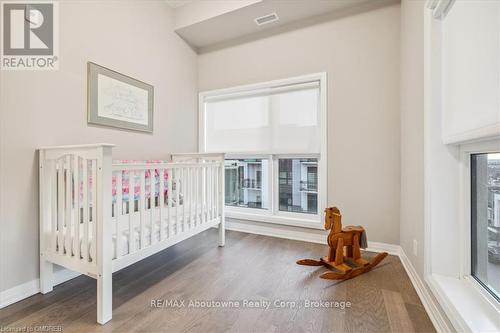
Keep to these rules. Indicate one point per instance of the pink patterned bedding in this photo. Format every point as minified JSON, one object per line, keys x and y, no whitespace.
{"x":137,"y":184}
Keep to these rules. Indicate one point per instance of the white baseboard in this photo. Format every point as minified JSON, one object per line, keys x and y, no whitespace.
{"x":30,"y":288}
{"x":64,"y":275}
{"x":20,"y":292}
{"x":383,"y":247}
{"x":301,"y":234}
{"x":276,"y":230}
{"x":429,"y":303}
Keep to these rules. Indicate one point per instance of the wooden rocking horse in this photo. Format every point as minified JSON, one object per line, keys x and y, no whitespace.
{"x":344,"y":255}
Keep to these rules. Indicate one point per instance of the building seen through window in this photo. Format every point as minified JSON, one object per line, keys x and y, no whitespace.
{"x":485,"y":226}
{"x":247,"y":183}
{"x":298,"y":185}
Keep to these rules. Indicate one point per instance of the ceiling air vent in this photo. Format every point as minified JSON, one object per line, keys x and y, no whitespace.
{"x":266,"y":19}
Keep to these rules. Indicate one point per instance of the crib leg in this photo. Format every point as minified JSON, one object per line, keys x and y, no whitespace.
{"x":222,"y":232}
{"x":46,"y":276}
{"x":104,"y":298}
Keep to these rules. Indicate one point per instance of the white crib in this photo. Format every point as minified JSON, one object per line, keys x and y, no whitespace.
{"x":97,"y":216}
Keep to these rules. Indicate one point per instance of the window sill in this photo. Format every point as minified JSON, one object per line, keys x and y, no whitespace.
{"x":467,"y":308}
{"x":284,"y":220}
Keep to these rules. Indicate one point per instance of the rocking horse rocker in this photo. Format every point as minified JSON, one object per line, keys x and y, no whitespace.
{"x":345,"y":246}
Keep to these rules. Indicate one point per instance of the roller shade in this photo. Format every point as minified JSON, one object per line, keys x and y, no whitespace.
{"x":275,"y":120}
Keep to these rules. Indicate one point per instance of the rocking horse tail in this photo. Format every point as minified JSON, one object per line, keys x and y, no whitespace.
{"x":363,"y":242}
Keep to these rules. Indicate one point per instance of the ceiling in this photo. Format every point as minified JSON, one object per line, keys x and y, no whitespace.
{"x":207,"y":23}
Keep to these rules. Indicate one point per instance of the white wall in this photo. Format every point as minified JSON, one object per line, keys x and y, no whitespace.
{"x":49,"y":108}
{"x":361,"y":55}
{"x":412,"y":131}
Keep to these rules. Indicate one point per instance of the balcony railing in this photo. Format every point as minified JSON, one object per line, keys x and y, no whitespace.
{"x":251,"y":183}
{"x":308,"y":186}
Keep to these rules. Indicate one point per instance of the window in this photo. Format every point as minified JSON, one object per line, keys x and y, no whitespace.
{"x":244,"y":185}
{"x":485,"y":226}
{"x":274,"y":137}
{"x":298,"y":185}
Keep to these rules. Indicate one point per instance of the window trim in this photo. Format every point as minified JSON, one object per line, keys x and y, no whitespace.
{"x":271,"y":215}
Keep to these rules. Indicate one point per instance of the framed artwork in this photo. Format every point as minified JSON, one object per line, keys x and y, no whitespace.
{"x":117,"y":100}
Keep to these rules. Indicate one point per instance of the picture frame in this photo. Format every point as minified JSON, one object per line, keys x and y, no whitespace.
{"x":117,"y":100}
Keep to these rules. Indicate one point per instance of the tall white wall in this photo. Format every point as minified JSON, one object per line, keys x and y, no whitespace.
{"x":49,"y":108}
{"x":412,"y":131}
{"x":361,"y":55}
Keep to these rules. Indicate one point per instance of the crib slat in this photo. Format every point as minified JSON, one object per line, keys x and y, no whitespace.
{"x":216,"y":189}
{"x":152,"y":197}
{"x":212,"y":197}
{"x":204,"y":200}
{"x":93,"y":225}
{"x":169,"y":202}
{"x":192,"y":197}
{"x":142,"y":205}
{"x":187,"y":198}
{"x":207,"y":193}
{"x":211,"y":192}
{"x":198,"y":196}
{"x":68,"y":239}
{"x":53,"y":194}
{"x":214,"y":192}
{"x":60,"y":206}
{"x":161,"y":202}
{"x":76,"y":209}
{"x":201,"y":195}
{"x":118,"y":212}
{"x":183,"y":193}
{"x":222,"y":200}
{"x":131,"y":211}
{"x":85,"y":247}
{"x":195,"y":195}
{"x":177,"y":190}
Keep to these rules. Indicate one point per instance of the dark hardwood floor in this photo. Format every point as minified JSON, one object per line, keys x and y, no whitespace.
{"x":250,"y":267}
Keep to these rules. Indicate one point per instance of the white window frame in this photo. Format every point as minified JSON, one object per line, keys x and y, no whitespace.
{"x":466,"y":151}
{"x":273,"y":215}
{"x":467,"y":305}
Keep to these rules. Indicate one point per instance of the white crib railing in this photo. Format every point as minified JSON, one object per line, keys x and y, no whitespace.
{"x":171,"y":200}
{"x":97,"y":217}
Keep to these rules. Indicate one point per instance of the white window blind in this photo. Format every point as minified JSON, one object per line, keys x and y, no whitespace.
{"x":272,"y":120}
